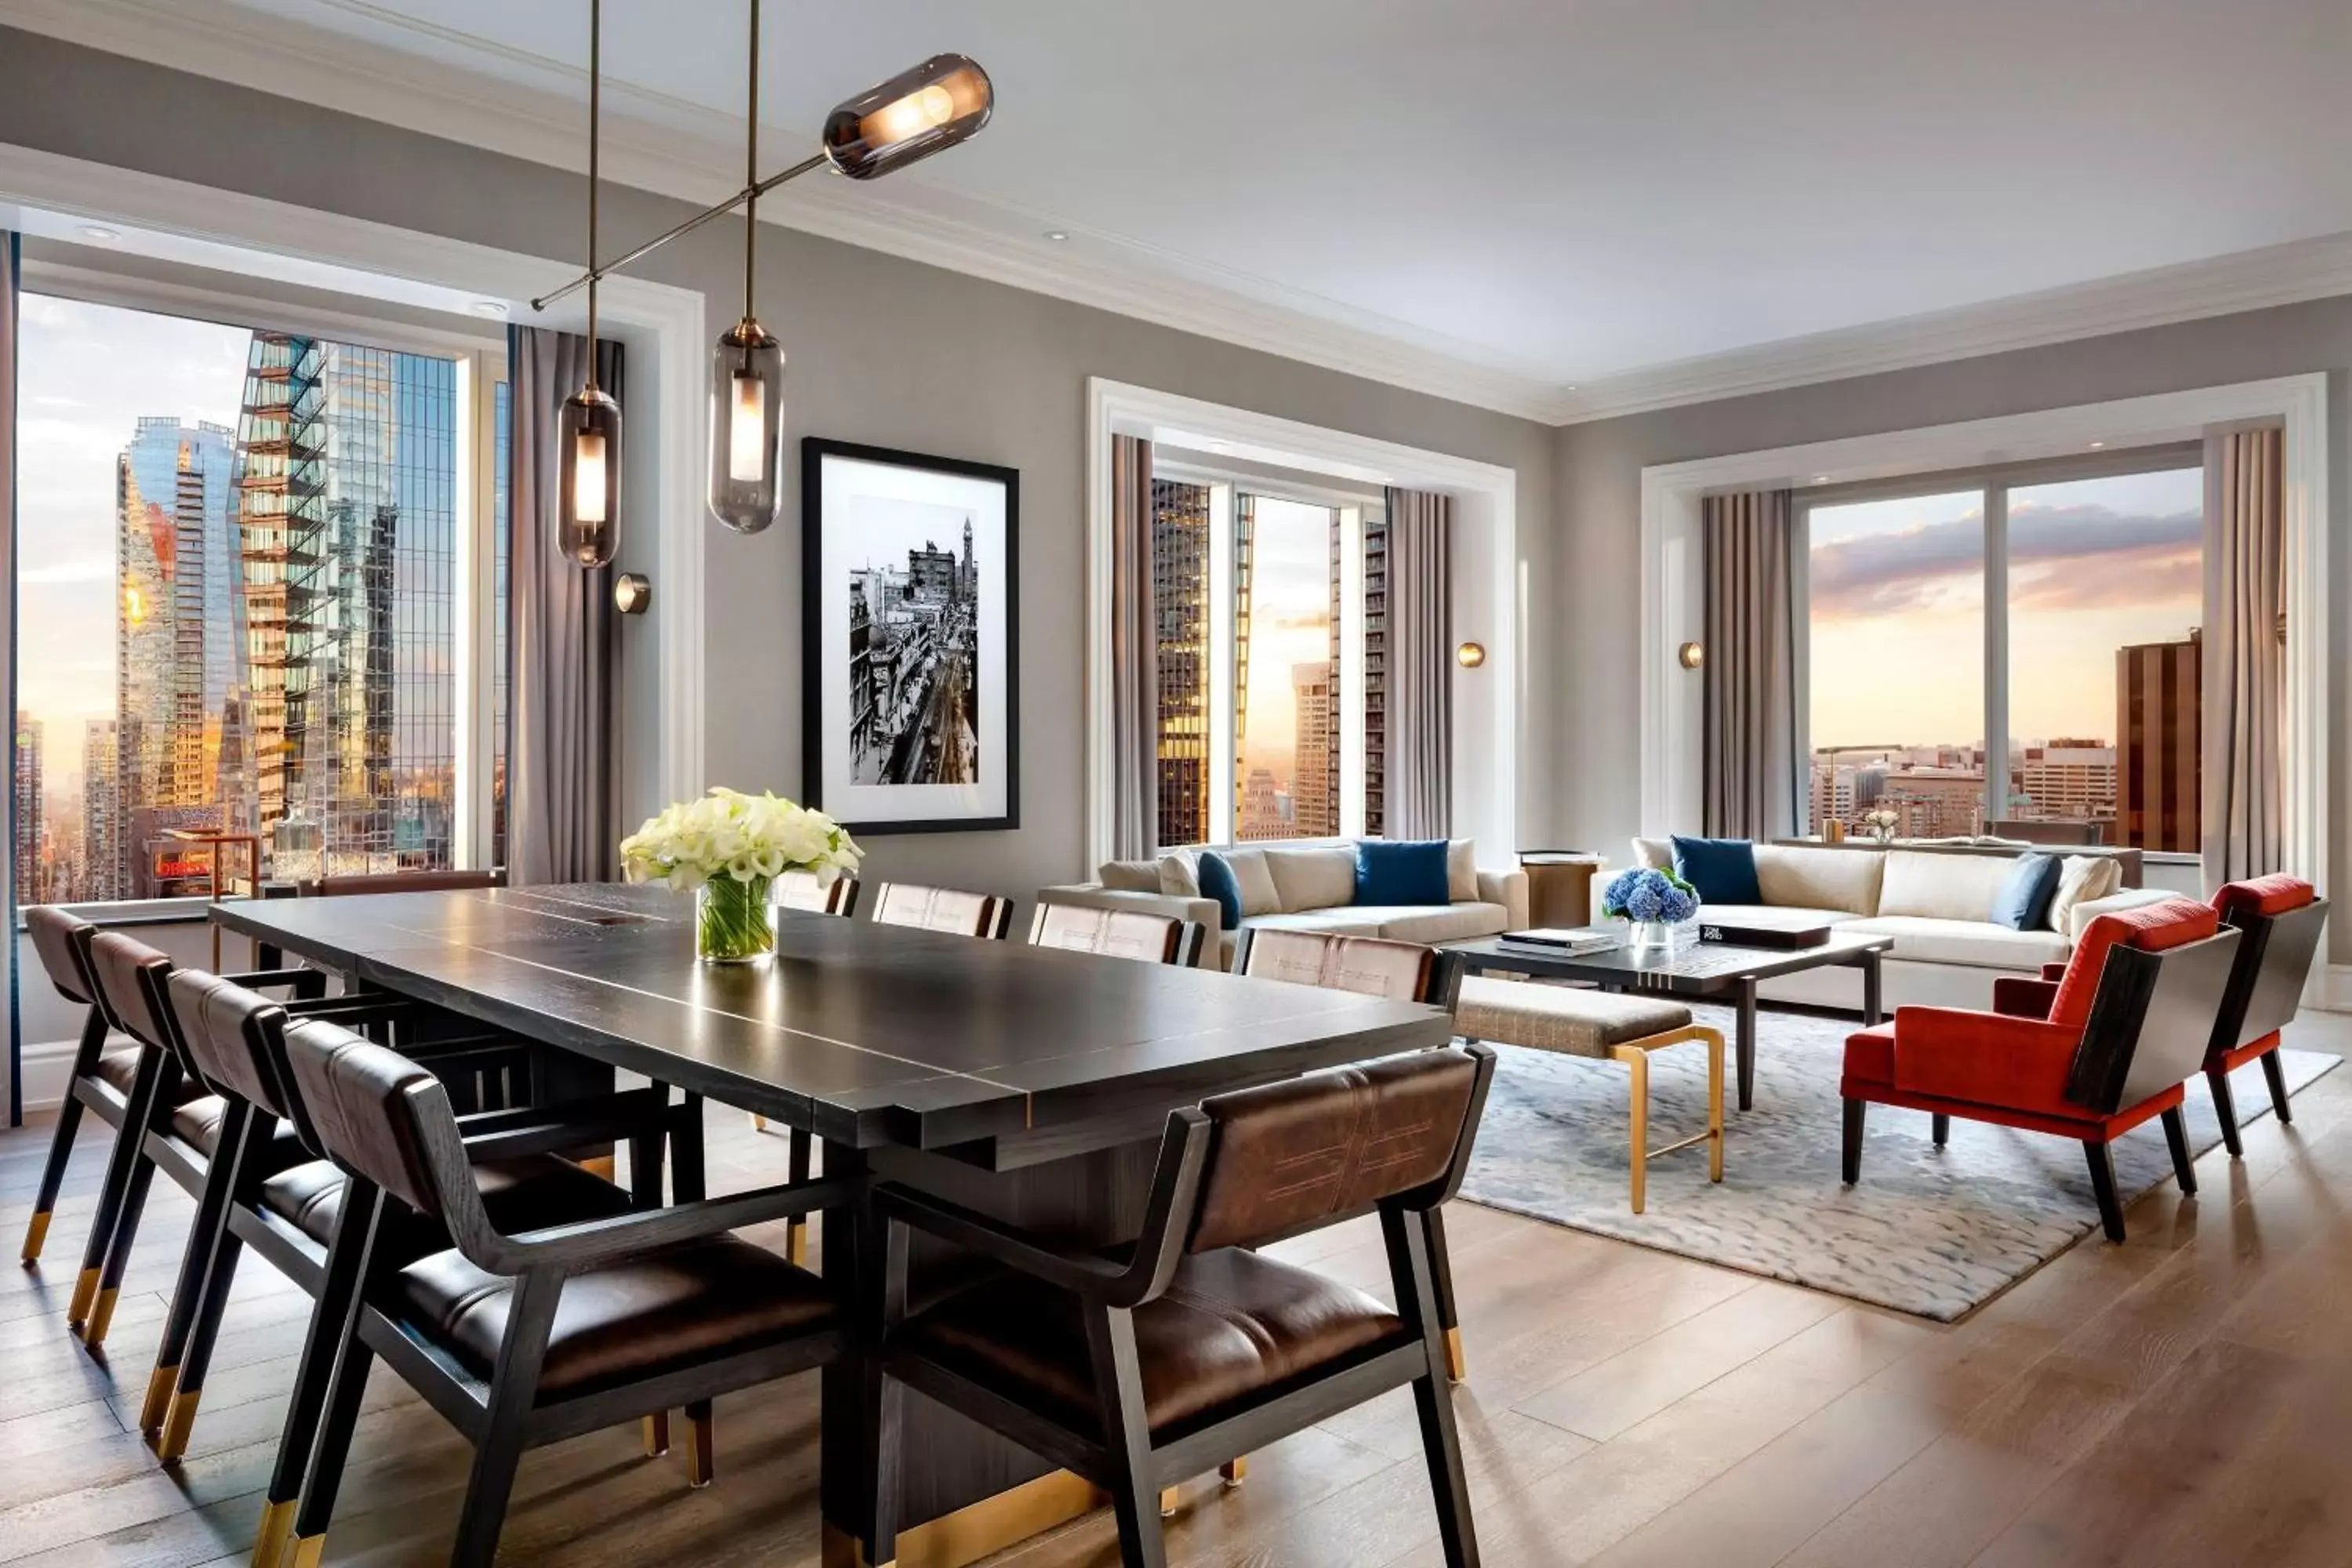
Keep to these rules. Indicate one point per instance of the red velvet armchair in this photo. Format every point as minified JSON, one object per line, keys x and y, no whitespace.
{"x":2281,"y":918}
{"x":2089,"y":1056}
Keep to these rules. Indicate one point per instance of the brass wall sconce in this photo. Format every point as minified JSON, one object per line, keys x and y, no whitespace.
{"x":632,"y":593}
{"x":1691,"y":655}
{"x":1470,"y":655}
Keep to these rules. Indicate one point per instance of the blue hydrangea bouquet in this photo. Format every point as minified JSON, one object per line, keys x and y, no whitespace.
{"x":1657,"y":901}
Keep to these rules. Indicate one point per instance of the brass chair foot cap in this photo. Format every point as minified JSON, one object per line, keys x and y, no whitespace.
{"x":309,"y":1549}
{"x":1167,"y":1503}
{"x":1234,"y":1470}
{"x":175,"y":1430}
{"x":34,"y":1235}
{"x":270,"y":1542}
{"x":101,"y":1318}
{"x":85,"y":1292}
{"x":158,"y":1402}
{"x":1458,"y":1366}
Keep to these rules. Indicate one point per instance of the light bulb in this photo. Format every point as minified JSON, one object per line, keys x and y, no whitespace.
{"x":588,"y":478}
{"x":914,"y":114}
{"x":748,"y":433}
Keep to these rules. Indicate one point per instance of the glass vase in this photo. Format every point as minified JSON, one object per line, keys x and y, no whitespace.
{"x":1654,"y":937}
{"x":733,"y":922}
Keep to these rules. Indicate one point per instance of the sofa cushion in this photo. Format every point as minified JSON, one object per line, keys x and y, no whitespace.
{"x":1801,"y":876}
{"x":1461,"y":869}
{"x":1129,"y":876}
{"x":1979,"y":944}
{"x":1941,"y":886}
{"x":1722,"y":869}
{"x":1657,"y":854}
{"x":1179,"y":874}
{"x":1258,"y":894}
{"x":1218,"y":882}
{"x":2023,"y":901}
{"x":1313,"y":877}
{"x":1572,"y":1021}
{"x":1444,"y":922}
{"x":2083,"y":878}
{"x":1401,"y":872}
{"x":1349,"y":919}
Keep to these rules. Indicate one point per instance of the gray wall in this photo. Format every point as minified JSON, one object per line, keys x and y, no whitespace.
{"x":1598,"y":487}
{"x":882,"y":351}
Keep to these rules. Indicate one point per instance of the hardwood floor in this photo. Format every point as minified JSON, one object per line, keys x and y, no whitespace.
{"x":2184,"y":1398}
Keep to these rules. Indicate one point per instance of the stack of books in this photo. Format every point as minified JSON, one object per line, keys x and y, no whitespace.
{"x":1565,"y":942}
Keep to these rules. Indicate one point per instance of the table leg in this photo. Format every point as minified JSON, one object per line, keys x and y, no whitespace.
{"x":1747,"y":1042}
{"x":1873,"y":1010}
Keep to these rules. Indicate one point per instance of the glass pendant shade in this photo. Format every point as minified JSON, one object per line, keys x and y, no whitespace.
{"x":747,"y":422}
{"x":944,"y":100}
{"x":588,"y":510}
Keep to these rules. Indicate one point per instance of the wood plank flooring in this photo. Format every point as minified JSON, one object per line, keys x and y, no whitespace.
{"x":2184,"y":1398}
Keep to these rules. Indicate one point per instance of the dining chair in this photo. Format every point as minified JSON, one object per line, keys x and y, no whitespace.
{"x":171,"y":1121}
{"x":942,"y":909}
{"x":1137,"y":1370}
{"x":1116,"y":933}
{"x":288,"y":1213}
{"x":519,"y":1338}
{"x":808,"y":892}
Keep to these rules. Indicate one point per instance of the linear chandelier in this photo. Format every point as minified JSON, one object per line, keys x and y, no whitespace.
{"x":927,"y":110}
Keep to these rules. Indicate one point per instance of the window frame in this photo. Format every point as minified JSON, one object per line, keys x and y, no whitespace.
{"x":480,"y":359}
{"x":1994,"y":482}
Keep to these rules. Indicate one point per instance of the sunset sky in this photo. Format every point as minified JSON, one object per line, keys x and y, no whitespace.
{"x":1290,"y":623}
{"x":1897,"y":607}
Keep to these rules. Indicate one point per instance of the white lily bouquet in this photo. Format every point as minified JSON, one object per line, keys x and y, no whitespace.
{"x":727,"y":848}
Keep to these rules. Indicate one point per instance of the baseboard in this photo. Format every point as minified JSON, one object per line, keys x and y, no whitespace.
{"x":2333,"y":989}
{"x":47,"y":1067}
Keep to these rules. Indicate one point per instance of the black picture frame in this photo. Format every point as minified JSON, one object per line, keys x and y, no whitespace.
{"x":822,"y":663}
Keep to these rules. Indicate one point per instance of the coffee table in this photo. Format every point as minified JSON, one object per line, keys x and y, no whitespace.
{"x":1707,"y":970}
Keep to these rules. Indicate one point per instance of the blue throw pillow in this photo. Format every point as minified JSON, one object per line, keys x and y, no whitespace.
{"x":1401,"y":872}
{"x":2023,"y":901}
{"x":1722,"y":869}
{"x":1218,"y":882}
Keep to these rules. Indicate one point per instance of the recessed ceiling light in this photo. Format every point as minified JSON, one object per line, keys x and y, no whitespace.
{"x":2097,"y":445}
{"x":1821,"y":478}
{"x":100,"y":232}
{"x":496,"y":308}
{"x":1058,"y":235}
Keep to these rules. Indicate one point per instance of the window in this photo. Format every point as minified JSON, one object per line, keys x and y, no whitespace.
{"x":238,"y":604}
{"x":1266,"y":646}
{"x":2097,"y":590}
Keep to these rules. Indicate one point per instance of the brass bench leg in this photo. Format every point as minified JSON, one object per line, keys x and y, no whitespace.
{"x":1638,"y":1062}
{"x":1714,"y":1105}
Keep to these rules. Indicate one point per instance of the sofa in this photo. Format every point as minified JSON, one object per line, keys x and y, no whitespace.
{"x":1304,"y":885}
{"x":1935,"y":900}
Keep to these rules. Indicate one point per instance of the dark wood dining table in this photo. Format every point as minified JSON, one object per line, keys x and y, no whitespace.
{"x":1027,"y":1082}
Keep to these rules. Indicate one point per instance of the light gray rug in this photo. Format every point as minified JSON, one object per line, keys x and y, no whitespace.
{"x":1933,"y":1232}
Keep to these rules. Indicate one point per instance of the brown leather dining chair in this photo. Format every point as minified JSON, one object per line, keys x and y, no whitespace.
{"x":519,"y":1339}
{"x":942,"y":909}
{"x":288,"y":1213}
{"x":1116,"y":933}
{"x":1136,"y":1371}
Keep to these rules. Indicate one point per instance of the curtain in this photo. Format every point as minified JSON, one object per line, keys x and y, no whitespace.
{"x":1134,"y":656}
{"x":2245,"y":679}
{"x":1749,"y":758}
{"x":563,"y":747}
{"x":10,"y":262}
{"x":1420,"y":710}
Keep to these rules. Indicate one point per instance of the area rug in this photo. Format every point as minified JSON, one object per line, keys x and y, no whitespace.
{"x":1932,"y":1232}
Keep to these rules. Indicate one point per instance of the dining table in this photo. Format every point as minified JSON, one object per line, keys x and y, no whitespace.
{"x":1029,"y":1083}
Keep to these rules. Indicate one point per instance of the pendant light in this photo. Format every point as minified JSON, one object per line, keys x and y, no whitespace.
{"x":944,"y":100}
{"x":588,"y":503}
{"x":747,"y":369}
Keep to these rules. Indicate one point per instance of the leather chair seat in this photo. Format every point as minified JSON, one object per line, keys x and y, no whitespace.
{"x":197,"y":1122}
{"x":118,"y":1067}
{"x":1232,"y":1323}
{"x":519,"y":1194}
{"x":679,"y":1306}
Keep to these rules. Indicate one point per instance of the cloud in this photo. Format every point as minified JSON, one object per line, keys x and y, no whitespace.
{"x":88,"y":569}
{"x":2071,"y":557}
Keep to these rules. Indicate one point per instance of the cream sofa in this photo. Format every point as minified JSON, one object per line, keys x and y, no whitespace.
{"x":1308,"y":885}
{"x":1936,"y":902}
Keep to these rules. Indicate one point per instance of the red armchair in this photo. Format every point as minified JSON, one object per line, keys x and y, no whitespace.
{"x":2281,"y":919}
{"x":2088,"y":1055}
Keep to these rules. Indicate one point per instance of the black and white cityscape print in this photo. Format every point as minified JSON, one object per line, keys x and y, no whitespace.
{"x":914,"y":644}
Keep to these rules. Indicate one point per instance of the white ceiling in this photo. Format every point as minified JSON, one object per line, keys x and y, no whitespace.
{"x":1560,"y":193}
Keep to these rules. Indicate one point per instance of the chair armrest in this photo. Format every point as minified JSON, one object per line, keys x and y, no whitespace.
{"x":2016,"y":996}
{"x":1508,"y":888}
{"x":1093,"y":896}
{"x":568,"y":1248}
{"x":2053,"y":972}
{"x":2079,"y":917}
{"x":1087,"y":1273}
{"x":1983,"y":1057}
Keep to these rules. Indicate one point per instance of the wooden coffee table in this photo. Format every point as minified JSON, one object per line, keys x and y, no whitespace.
{"x":1708,"y":971}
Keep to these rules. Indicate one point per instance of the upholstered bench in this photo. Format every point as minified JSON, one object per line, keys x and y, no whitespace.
{"x":1603,"y":1024}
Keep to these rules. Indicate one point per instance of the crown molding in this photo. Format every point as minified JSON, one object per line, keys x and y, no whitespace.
{"x":675,"y":148}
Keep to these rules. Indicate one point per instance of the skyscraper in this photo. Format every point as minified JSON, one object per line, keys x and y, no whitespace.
{"x":1376,"y":672}
{"x":1314,"y":787}
{"x":1179,"y":615}
{"x":104,"y":870}
{"x":2158,"y":731}
{"x":32,"y":878}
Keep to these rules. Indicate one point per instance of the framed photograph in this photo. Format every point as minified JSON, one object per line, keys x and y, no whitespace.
{"x":910,"y":623}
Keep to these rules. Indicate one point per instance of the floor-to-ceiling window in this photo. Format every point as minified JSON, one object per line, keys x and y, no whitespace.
{"x":237,"y":582}
{"x":2017,"y":649}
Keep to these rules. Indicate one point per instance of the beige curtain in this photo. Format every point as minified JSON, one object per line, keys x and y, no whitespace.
{"x":1134,"y":655}
{"x":9,"y":256}
{"x":1749,"y":760}
{"x":2245,"y":677}
{"x":564,"y":784}
{"x":1420,"y":701}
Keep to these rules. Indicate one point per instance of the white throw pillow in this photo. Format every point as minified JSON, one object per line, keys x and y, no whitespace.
{"x":1461,"y":870}
{"x":1179,"y":874}
{"x":1802,"y":877}
{"x":1130,"y":876}
{"x":2081,"y":878}
{"x":1657,"y":854}
{"x":1321,"y":877}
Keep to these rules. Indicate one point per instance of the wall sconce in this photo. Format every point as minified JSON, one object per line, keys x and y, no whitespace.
{"x":633,"y":594}
{"x":1691,"y":655}
{"x":1470,"y":655}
